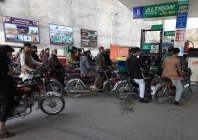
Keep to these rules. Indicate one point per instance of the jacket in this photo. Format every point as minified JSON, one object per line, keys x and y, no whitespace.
{"x":172,"y":68}
{"x":6,"y":82}
{"x":100,"y":60}
{"x":134,"y":64}
{"x":85,"y":65}
{"x":70,"y":59}
{"x":35,"y":56}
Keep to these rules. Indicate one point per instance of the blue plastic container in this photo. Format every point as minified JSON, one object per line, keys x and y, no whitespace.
{"x":121,"y":63}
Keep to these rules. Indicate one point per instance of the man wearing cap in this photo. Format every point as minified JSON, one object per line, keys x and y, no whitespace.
{"x":70,"y":60}
{"x":88,"y":68}
{"x":27,"y":62}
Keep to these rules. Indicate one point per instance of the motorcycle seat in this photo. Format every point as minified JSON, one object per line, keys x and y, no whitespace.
{"x":165,"y":79}
{"x":86,"y":78}
{"x":75,"y":75}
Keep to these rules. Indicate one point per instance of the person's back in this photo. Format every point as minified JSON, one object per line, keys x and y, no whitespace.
{"x":171,"y":66}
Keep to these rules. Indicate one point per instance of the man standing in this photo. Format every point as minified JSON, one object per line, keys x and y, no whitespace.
{"x":27,"y":62}
{"x":136,"y":73}
{"x":6,"y":89}
{"x":170,"y":52}
{"x":100,"y":60}
{"x":172,"y":70}
{"x":71,"y":61}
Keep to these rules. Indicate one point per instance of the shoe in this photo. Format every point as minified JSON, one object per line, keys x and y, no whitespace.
{"x":178,"y":104}
{"x":142,"y":100}
{"x":7,"y":135}
{"x":95,"y":89}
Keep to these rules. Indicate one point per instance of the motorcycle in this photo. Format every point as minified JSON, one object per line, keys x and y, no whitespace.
{"x":162,"y":88}
{"x":79,"y":85}
{"x":124,"y":88}
{"x":24,"y":98}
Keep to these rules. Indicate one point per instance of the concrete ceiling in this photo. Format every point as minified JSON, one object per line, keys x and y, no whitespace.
{"x":193,"y":7}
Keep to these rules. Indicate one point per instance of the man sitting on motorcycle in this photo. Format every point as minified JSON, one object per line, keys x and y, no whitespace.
{"x":70,"y":59}
{"x":172,"y":70}
{"x":88,"y":68}
{"x":134,"y":67}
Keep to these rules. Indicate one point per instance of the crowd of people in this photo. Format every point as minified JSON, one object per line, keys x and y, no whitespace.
{"x":28,"y":59}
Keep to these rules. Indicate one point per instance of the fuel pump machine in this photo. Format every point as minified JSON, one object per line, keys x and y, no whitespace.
{"x":151,"y":53}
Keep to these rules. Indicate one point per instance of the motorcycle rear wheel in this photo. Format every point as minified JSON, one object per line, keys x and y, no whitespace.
{"x":55,"y":86}
{"x":52,"y":104}
{"x":120,"y":93}
{"x":156,"y":97}
{"x":71,"y":86}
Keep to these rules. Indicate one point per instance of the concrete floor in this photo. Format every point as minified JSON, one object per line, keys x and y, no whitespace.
{"x":99,"y":117}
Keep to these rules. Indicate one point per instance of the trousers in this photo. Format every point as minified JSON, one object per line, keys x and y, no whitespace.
{"x":141,"y":84}
{"x":179,"y":89}
{"x":6,"y":103}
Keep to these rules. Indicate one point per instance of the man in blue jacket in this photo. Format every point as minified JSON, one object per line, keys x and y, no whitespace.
{"x":87,"y":68}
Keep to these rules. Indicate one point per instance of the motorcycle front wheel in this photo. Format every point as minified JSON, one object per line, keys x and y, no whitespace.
{"x":108,"y":87}
{"x":52,"y":104}
{"x":190,"y":92}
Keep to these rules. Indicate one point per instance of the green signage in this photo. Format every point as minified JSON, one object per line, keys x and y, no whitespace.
{"x":146,"y":46}
{"x":158,"y":10}
{"x":183,"y":1}
{"x":169,"y":33}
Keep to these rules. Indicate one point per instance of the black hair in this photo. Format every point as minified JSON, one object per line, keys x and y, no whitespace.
{"x":27,"y":44}
{"x":170,"y":49}
{"x":136,"y":49}
{"x":35,"y":47}
{"x":176,"y":50}
{"x":131,"y":50}
{"x":7,"y":48}
{"x":47,"y":49}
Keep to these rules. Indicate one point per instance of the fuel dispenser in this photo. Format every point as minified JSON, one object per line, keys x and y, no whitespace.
{"x":151,"y":53}
{"x":193,"y":63}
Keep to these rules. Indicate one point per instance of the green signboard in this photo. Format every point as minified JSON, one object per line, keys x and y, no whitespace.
{"x":158,"y":10}
{"x":183,"y":1}
{"x":169,"y":33}
{"x":146,"y":46}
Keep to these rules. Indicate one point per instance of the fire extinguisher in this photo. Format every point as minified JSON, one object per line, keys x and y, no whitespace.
{"x":186,"y":46}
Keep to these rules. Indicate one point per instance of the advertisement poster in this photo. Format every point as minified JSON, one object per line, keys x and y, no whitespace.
{"x":88,"y":38}
{"x":61,"y":35}
{"x":157,"y":10}
{"x":21,"y":30}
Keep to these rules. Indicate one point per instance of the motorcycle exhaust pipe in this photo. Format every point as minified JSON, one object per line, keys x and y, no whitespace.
{"x":72,"y":91}
{"x":170,"y":97}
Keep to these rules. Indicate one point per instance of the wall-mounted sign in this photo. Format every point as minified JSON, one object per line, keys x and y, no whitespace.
{"x":169,"y":33}
{"x":195,"y":63}
{"x":182,"y":15}
{"x":21,"y":30}
{"x":61,"y":35}
{"x":180,"y":35}
{"x":89,"y":38}
{"x":158,"y":10}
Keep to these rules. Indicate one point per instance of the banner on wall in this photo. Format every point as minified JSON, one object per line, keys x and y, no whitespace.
{"x":21,"y":30}
{"x":61,"y":35}
{"x":157,"y":10}
{"x":89,"y":38}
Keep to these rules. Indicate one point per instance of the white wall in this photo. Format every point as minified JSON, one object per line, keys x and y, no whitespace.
{"x":110,"y":18}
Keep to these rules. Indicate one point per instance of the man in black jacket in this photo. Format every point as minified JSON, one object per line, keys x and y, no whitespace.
{"x":134,"y":67}
{"x":34,"y":53}
{"x":6,"y":88}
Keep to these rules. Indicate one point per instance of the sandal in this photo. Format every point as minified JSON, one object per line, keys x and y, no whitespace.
{"x":7,"y":135}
